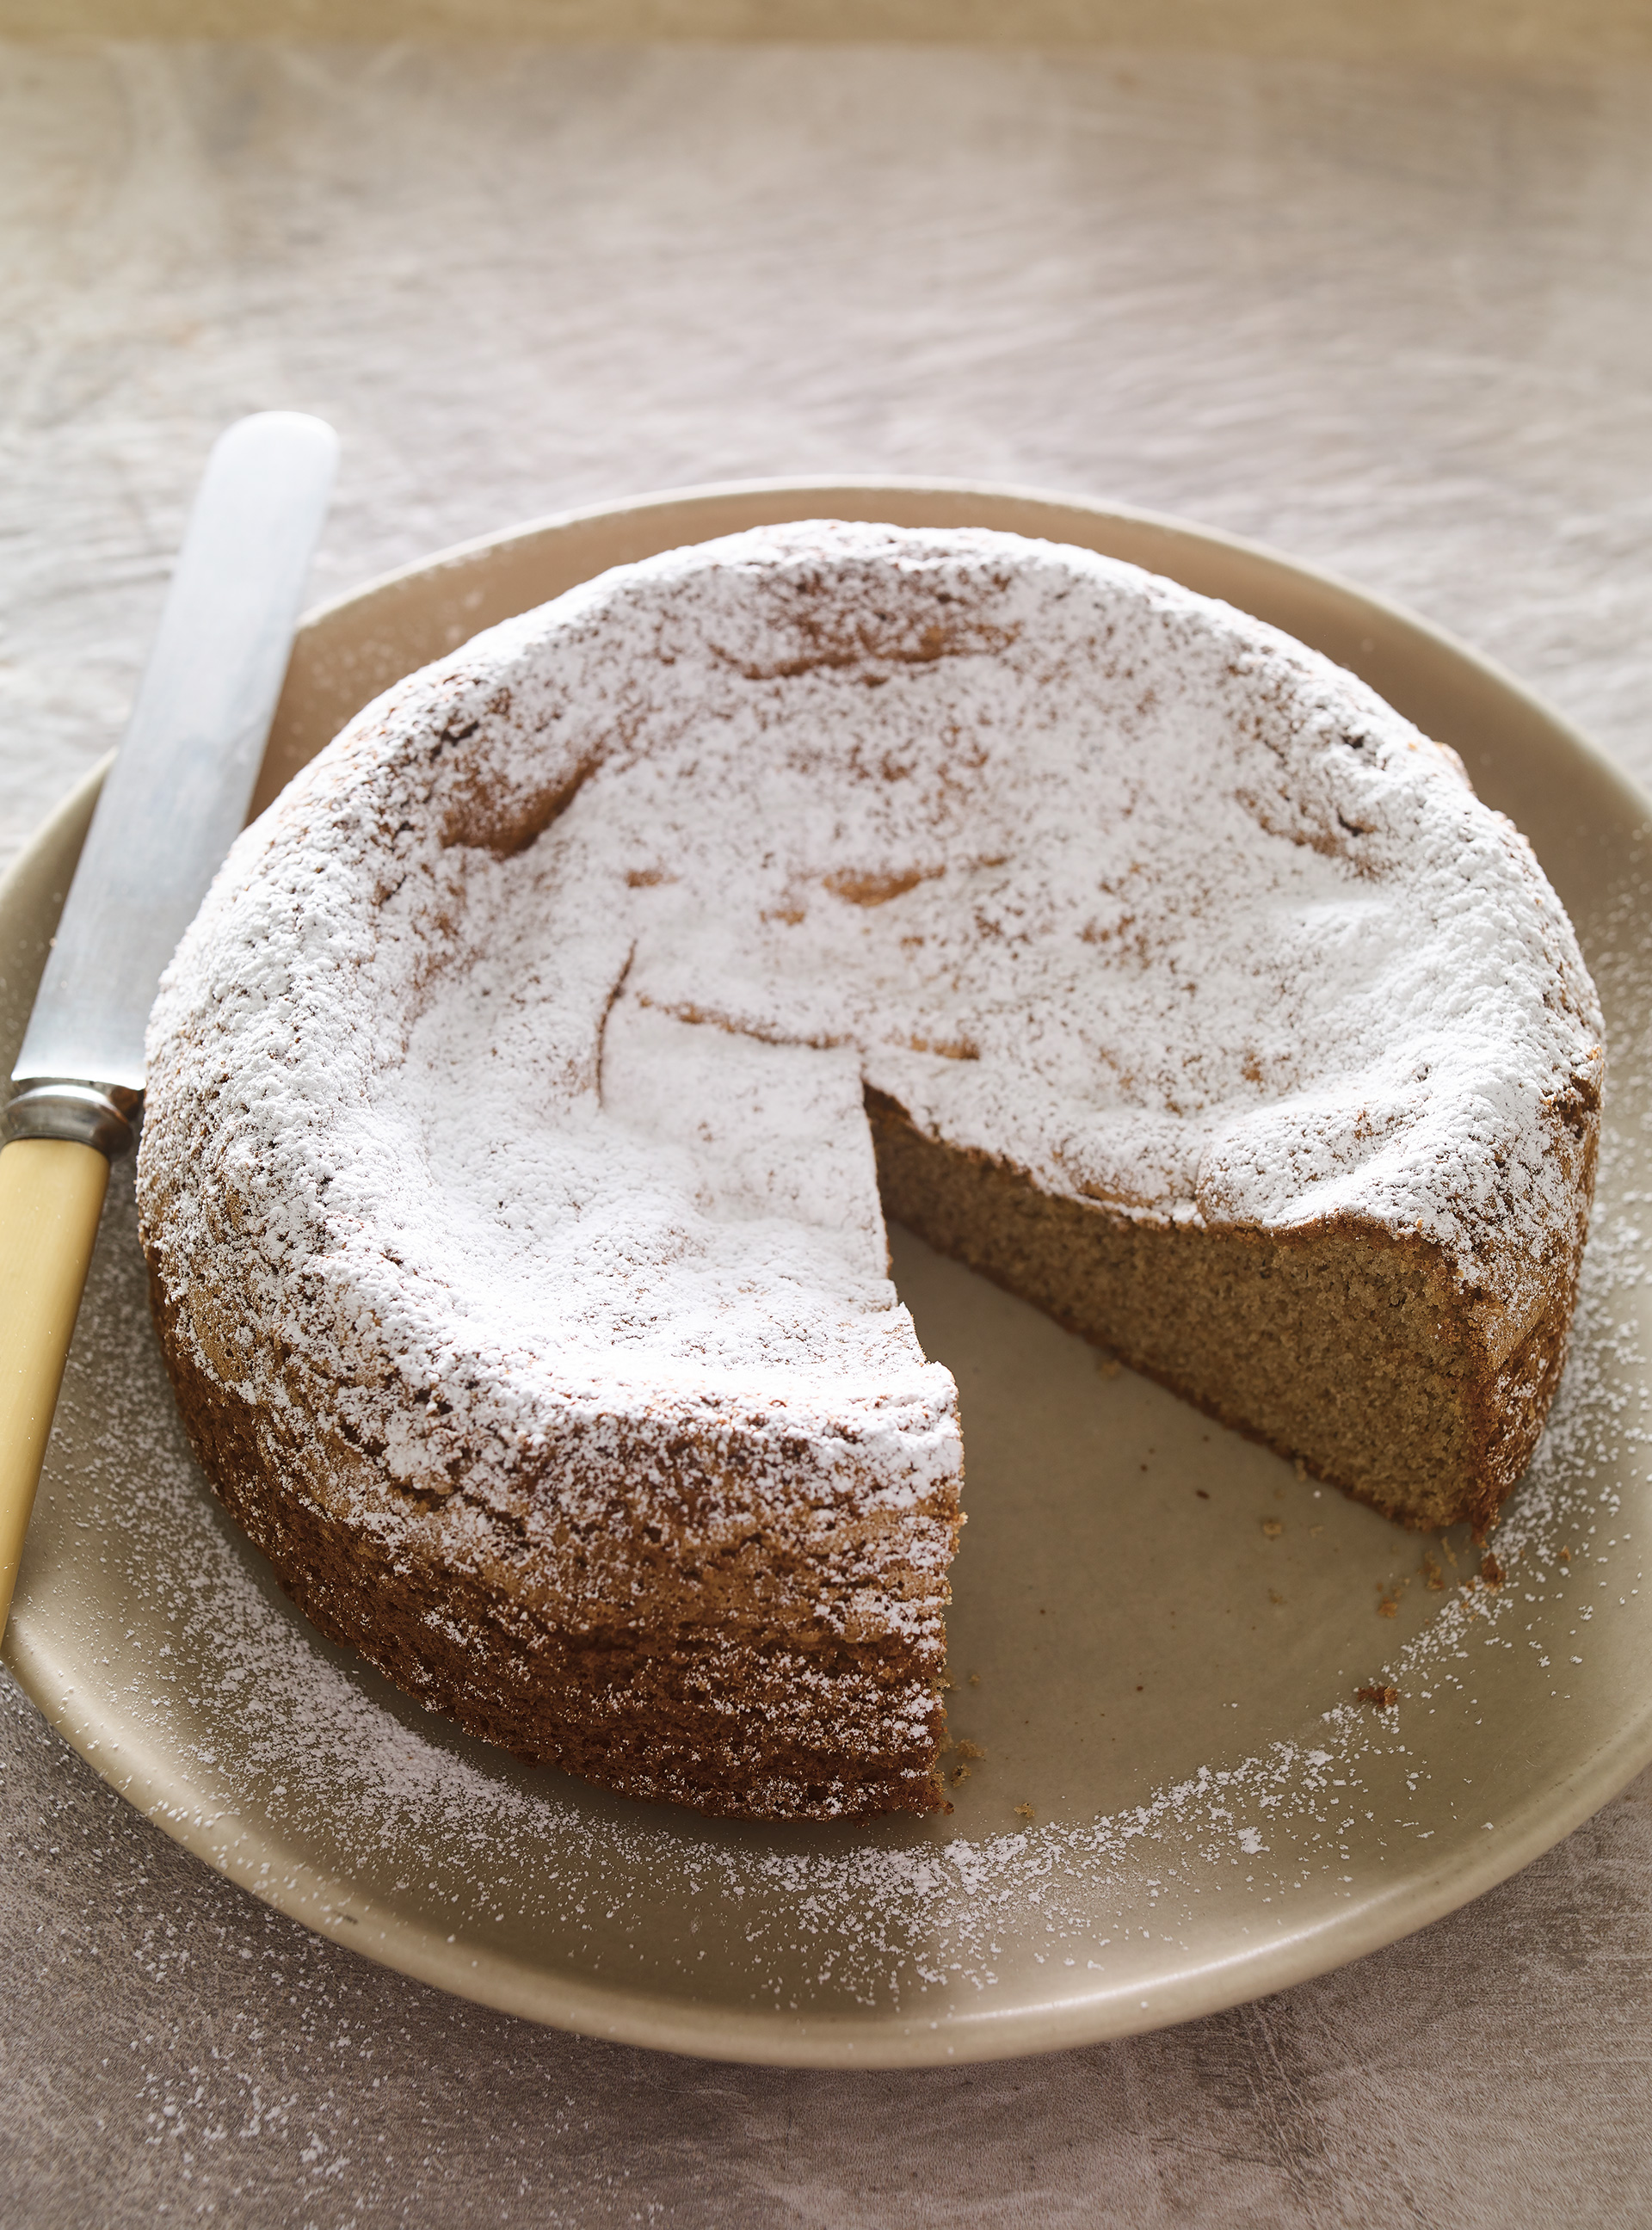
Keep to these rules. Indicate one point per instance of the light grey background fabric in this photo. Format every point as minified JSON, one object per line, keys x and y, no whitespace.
{"x":1398,"y":323}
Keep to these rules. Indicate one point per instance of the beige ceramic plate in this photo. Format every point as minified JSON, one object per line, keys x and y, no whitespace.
{"x":1173,"y":1800}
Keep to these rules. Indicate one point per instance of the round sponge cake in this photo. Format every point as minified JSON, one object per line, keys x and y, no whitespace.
{"x":525,"y":1103}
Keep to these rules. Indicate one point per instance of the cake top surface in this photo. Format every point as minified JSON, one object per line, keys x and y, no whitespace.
{"x":530,"y":1025}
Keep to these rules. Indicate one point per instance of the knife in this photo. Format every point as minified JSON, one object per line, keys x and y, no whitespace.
{"x":171,"y":807}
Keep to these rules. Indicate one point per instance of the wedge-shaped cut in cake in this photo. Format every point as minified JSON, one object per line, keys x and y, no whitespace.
{"x":525,"y":1104}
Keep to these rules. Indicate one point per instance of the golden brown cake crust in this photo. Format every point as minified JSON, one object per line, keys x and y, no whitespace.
{"x":680,"y":1713}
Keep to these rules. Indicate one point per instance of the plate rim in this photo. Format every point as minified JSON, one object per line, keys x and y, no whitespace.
{"x":620,"y":2013}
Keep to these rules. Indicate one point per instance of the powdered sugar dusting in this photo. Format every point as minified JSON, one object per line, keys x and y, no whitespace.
{"x":1105,"y":879}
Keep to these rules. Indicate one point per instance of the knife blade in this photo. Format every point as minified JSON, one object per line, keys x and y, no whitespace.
{"x":176,"y":795}
{"x":172,"y":803}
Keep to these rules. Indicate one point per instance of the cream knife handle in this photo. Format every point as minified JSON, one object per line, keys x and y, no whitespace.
{"x":51,"y":1196}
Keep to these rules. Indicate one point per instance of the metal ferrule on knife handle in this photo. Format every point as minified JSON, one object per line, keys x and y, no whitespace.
{"x":171,"y":807}
{"x":86,"y":1114}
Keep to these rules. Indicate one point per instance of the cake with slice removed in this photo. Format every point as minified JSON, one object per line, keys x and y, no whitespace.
{"x":525,"y":1103}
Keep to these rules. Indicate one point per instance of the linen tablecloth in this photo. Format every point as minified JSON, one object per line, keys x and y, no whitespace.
{"x":1395,"y":320}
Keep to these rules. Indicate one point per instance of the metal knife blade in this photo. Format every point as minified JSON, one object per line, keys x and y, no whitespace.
{"x":177,"y":796}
